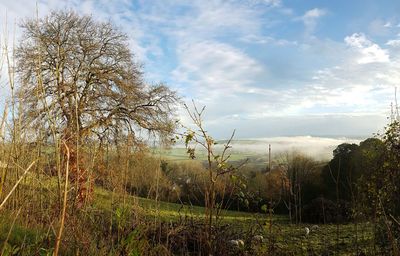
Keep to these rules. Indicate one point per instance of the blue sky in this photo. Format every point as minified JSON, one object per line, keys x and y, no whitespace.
{"x":263,"y":67}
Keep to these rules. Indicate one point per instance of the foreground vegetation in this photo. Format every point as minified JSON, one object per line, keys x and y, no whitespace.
{"x":136,"y":222}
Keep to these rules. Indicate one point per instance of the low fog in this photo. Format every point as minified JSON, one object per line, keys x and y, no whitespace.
{"x":318,"y":147}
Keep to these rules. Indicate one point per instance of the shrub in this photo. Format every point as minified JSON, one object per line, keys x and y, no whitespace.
{"x":321,"y":210}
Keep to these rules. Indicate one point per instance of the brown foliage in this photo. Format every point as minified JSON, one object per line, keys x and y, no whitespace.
{"x":84,"y":78}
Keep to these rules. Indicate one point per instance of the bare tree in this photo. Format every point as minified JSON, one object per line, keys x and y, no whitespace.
{"x":217,"y":165}
{"x":87,"y":75}
{"x":297,"y":167}
{"x":79,"y":80}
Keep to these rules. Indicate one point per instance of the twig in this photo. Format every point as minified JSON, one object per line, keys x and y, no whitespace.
{"x":16,"y":184}
{"x":58,"y":240}
{"x":394,"y":219}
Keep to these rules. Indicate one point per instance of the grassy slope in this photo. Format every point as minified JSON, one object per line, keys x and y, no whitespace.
{"x":283,"y":235}
{"x":164,"y":210}
{"x":256,"y":161}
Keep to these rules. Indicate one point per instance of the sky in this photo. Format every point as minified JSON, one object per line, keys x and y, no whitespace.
{"x":266,"y":68}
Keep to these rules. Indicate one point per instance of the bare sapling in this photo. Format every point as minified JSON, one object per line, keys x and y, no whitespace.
{"x":217,"y":164}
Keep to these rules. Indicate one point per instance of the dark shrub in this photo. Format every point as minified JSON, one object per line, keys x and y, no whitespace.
{"x":387,"y":235}
{"x":321,"y":210}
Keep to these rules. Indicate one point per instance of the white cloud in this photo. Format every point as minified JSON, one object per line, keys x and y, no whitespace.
{"x":394,"y":43}
{"x":215,"y":69}
{"x":271,"y":3}
{"x":368,"y":52}
{"x":388,"y":24}
{"x":379,"y":27}
{"x":346,"y":86}
{"x":310,"y":19}
{"x":293,"y":125}
{"x":219,"y":17}
{"x":357,"y":40}
{"x":241,"y":97}
{"x":256,"y":39}
{"x":313,"y":14}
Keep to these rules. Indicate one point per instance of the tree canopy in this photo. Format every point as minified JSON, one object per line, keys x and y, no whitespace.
{"x":78,"y":77}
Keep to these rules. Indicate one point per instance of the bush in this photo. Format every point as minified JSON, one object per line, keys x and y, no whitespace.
{"x":321,"y":210}
{"x":387,"y":235}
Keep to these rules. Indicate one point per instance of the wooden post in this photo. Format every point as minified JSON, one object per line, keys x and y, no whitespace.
{"x":269,"y":157}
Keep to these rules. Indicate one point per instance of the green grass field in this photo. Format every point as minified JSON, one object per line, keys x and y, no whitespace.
{"x":167,"y":211}
{"x":344,"y":239}
{"x":178,"y":154}
{"x":329,"y":238}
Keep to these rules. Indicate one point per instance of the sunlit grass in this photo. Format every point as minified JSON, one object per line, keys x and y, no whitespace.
{"x":165,"y":210}
{"x":281,"y":235}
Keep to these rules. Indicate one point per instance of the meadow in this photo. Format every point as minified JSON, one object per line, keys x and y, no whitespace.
{"x":279,"y":237}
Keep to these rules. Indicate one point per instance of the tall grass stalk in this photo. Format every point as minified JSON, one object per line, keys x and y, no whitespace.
{"x":65,"y":198}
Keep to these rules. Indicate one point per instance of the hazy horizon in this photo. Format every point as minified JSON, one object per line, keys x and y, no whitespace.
{"x":318,"y":147}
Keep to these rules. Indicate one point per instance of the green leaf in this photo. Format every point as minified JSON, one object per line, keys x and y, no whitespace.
{"x":264,"y":208}
{"x":234,"y":178}
{"x":189,"y":137}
